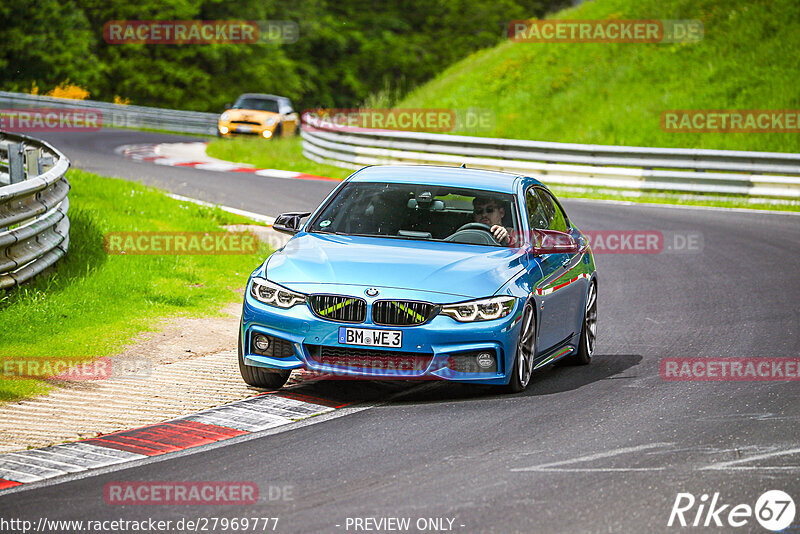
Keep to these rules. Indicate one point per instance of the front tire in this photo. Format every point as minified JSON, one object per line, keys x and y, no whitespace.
{"x":526,"y":344}
{"x":258,"y":376}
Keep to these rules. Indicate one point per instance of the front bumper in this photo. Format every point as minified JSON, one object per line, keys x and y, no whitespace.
{"x":433,"y":346}
{"x":229,"y":129}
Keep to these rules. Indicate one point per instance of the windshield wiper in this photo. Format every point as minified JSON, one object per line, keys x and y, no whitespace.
{"x":329,"y":232}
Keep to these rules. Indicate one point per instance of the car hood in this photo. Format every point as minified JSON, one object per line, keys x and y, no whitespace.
{"x":310,"y":262}
{"x":249,"y":114}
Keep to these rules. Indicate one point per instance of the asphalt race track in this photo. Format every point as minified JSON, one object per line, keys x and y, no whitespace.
{"x":601,"y":448}
{"x":94,"y":151}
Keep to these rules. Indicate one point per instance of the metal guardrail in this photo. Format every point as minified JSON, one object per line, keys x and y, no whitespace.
{"x":121,"y":116}
{"x":34,"y":228}
{"x":754,"y":174}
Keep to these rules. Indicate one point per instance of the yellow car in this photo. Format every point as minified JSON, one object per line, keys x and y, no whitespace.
{"x":258,"y":114}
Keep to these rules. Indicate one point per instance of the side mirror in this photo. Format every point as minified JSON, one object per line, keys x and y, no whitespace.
{"x":553,"y":242}
{"x":289,"y":223}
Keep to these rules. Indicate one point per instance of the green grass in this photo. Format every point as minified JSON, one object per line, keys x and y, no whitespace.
{"x":284,"y":153}
{"x":93,"y":303}
{"x":614,"y":94}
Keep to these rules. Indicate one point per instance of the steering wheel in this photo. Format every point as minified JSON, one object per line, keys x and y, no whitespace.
{"x":477,"y":226}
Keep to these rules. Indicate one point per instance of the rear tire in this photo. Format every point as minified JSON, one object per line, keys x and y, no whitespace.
{"x":588,"y":330}
{"x":259,"y":376}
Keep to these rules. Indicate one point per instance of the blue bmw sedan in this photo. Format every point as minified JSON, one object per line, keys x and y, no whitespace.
{"x":409,"y":272}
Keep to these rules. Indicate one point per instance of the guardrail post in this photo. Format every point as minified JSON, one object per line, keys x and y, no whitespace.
{"x":33,"y":161}
{"x":16,"y":167}
{"x":46,"y":163}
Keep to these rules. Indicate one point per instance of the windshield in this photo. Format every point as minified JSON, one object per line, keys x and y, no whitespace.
{"x":260,"y":104}
{"x":417,"y":211}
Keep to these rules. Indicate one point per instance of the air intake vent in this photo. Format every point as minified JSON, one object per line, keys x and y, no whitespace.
{"x":339,"y":308}
{"x":402,"y":312}
{"x":371,"y":361}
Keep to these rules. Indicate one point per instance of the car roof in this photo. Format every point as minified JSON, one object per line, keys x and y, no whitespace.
{"x":500,"y":182}
{"x":263,"y":96}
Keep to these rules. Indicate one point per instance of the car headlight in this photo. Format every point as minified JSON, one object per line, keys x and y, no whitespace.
{"x":480,"y":310}
{"x":270,"y":121}
{"x":269,"y":293}
{"x":225,"y":116}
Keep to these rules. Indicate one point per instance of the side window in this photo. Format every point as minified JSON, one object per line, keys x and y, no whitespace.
{"x":556,"y":220}
{"x":536,"y":215}
{"x":286,"y":107}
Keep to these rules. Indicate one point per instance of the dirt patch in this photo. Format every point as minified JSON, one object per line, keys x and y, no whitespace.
{"x":184,"y":338}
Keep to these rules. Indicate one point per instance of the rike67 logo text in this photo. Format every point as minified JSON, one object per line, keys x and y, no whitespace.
{"x":774,"y":510}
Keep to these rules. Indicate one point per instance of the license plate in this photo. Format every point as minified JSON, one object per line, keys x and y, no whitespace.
{"x":244,"y":129}
{"x":373,"y":338}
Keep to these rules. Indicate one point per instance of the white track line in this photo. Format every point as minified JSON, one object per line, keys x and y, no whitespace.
{"x":552,"y":466}
{"x":728,"y":466}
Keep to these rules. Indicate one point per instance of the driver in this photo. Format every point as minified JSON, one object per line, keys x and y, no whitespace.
{"x":488,"y":211}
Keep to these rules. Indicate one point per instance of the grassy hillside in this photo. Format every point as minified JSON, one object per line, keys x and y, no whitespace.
{"x":615,"y":93}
